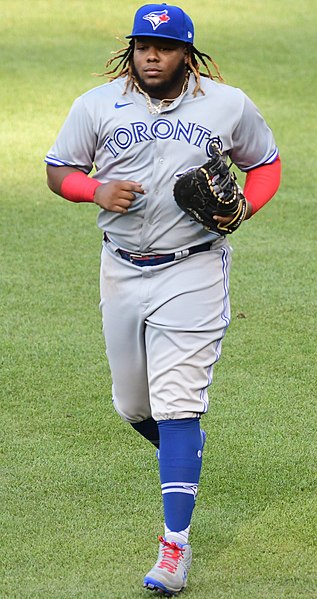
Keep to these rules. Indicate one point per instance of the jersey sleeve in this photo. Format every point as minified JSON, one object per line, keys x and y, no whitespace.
{"x":76,"y":142}
{"x":253,"y":141}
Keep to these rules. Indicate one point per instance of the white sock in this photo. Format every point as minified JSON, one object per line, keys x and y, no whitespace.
{"x":177,"y":537}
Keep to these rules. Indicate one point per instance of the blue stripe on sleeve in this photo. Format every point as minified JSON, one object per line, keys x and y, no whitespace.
{"x":54,"y":161}
{"x":273,"y":156}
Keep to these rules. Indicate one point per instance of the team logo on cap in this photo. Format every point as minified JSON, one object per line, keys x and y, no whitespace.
{"x":157,"y":18}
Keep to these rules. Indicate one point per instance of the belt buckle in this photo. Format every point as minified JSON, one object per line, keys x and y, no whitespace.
{"x":135,"y":257}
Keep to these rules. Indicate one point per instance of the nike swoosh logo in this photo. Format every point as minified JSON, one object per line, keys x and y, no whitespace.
{"x":118,"y":105}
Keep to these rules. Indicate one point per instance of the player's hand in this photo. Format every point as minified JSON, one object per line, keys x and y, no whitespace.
{"x":222,"y":220}
{"x":117,"y":196}
{"x":225,"y":220}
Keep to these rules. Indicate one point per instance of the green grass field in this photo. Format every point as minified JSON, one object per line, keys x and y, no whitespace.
{"x":80,"y":497}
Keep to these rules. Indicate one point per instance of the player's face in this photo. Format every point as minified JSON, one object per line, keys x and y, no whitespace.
{"x":159,"y":65}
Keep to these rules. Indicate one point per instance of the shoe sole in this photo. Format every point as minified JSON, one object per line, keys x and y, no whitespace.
{"x":154,"y":585}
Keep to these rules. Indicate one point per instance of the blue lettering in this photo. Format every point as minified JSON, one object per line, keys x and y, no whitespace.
{"x":140,"y":132}
{"x":108,"y":144}
{"x":214,"y":141}
{"x":123,"y":138}
{"x":186,"y":132}
{"x":162,"y":129}
{"x":203,"y":132}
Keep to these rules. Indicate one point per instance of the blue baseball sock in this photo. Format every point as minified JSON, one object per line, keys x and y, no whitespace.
{"x":180,"y":466}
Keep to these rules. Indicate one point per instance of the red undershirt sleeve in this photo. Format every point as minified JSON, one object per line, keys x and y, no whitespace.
{"x":262,"y":183}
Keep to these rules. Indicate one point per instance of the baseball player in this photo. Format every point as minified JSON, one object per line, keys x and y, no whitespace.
{"x":164,"y":278}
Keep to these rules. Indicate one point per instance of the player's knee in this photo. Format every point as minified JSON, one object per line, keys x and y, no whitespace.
{"x":130,"y":413}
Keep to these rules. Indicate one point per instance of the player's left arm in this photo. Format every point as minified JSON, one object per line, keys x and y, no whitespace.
{"x":261,"y":184}
{"x":254,"y":151}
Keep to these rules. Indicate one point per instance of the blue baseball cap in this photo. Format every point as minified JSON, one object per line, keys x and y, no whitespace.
{"x":163,"y":20}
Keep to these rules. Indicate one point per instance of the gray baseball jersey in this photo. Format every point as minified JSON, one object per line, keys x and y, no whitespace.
{"x":117,"y":135}
{"x":163,"y":324}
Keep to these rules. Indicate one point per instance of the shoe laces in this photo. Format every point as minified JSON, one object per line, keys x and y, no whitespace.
{"x":172,"y":554}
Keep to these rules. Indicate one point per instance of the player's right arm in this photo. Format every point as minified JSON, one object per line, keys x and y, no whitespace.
{"x":74,"y":185}
{"x":71,"y":159}
{"x":56,"y":175}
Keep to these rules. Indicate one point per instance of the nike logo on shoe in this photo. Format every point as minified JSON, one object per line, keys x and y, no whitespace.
{"x":118,"y":105}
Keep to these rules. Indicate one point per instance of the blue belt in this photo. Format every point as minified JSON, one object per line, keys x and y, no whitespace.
{"x":156,"y":259}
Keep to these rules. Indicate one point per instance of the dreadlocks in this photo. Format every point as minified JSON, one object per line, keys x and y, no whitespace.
{"x":123,"y":68}
{"x":194,"y":66}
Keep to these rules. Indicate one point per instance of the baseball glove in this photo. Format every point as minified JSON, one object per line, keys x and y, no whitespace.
{"x":209,"y":190}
